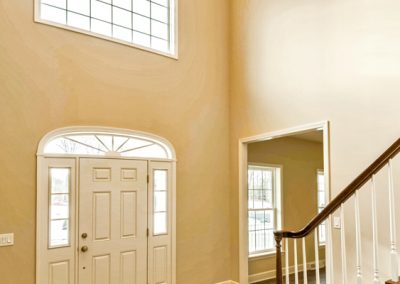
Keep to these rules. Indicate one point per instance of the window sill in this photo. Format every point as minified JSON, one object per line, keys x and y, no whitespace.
{"x":263,"y":255}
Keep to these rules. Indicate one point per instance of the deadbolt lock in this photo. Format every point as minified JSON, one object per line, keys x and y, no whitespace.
{"x":84,"y":235}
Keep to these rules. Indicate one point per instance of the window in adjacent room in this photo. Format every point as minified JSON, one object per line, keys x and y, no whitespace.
{"x":147,"y":24}
{"x":264,"y":210}
{"x":321,"y":205}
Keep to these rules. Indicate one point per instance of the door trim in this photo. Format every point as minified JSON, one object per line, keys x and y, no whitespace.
{"x":42,"y":187}
{"x":243,"y":165}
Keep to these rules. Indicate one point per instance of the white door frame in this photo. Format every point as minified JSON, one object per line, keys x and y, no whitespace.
{"x":243,"y":204}
{"x":74,"y":158}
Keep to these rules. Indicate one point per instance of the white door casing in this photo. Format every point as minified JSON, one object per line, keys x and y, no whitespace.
{"x":102,"y":191}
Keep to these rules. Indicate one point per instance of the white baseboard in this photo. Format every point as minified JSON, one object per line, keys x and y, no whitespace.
{"x":271,"y":273}
{"x":227,"y":282}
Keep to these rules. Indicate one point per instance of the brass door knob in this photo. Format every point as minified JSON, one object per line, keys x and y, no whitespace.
{"x":84,"y":249}
{"x":84,"y":235}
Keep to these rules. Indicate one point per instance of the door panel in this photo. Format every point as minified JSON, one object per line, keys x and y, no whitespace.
{"x":113,"y":210}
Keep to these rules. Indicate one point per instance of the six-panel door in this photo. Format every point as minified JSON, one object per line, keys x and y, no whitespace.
{"x":112,"y":221}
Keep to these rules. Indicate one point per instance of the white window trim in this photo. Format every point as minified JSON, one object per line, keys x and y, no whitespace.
{"x":278,"y":208}
{"x":173,"y":40}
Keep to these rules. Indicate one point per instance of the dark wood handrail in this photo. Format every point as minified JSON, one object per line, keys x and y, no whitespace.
{"x":344,"y":195}
{"x":364,"y":177}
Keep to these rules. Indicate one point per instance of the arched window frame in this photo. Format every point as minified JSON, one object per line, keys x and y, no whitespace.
{"x":94,"y":130}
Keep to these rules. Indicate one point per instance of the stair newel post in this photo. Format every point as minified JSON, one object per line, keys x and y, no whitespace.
{"x":278,"y":240}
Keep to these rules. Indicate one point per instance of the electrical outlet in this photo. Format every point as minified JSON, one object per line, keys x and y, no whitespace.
{"x":6,"y":240}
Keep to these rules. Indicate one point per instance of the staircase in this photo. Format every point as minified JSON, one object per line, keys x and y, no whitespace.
{"x":363,"y":273}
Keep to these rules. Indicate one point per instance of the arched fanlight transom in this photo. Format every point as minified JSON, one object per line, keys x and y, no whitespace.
{"x":107,"y":144}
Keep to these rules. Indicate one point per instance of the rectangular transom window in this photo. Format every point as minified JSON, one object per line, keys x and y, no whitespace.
{"x":147,"y":24}
{"x":264,"y":213}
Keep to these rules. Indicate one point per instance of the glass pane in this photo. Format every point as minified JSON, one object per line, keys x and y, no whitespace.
{"x":258,"y":199}
{"x":267,"y":179}
{"x":59,"y":180}
{"x":149,"y":151}
{"x":56,"y":3}
{"x":250,"y":179}
{"x":251,"y":199}
{"x":142,"y":7}
{"x":252,"y":221}
{"x":141,"y":24}
{"x":126,"y":4}
{"x":59,"y":233}
{"x":159,"y":30}
{"x":79,"y":6}
{"x":160,"y":180}
{"x":258,"y":181}
{"x":101,"y":11}
{"x":141,"y":39}
{"x":53,"y":14}
{"x":267,"y":199}
{"x":160,"y":223}
{"x":269,"y":239}
{"x":59,"y":206}
{"x":122,"y":17}
{"x":101,"y":27}
{"x":160,"y":201}
{"x":260,"y":220}
{"x":159,"y":13}
{"x":260,"y":240}
{"x":122,"y":34}
{"x":161,"y":2}
{"x":78,"y":21}
{"x":269,"y":219}
{"x":252,"y":242}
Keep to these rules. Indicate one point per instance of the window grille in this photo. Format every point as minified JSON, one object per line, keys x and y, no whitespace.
{"x":144,"y":23}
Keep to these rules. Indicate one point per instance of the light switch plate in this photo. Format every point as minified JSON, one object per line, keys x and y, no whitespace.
{"x":336,"y":222}
{"x":6,"y":240}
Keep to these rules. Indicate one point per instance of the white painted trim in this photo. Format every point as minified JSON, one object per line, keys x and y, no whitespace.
{"x":173,"y":12}
{"x":42,"y":170}
{"x":243,"y":142}
{"x":267,"y":275}
{"x":100,"y":129}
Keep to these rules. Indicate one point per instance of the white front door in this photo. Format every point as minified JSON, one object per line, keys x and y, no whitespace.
{"x":112,"y":221}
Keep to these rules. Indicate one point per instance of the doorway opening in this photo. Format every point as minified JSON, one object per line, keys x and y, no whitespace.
{"x":283,"y":183}
{"x":105,"y":207}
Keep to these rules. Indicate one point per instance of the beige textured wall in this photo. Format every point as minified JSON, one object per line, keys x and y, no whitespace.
{"x":50,"y":78}
{"x":300,"y":160}
{"x":295,"y":62}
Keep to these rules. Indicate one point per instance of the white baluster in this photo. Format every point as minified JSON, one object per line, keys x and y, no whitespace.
{"x":316,"y":247}
{"x":374,"y":234}
{"x":304,"y":261}
{"x":330,"y":279}
{"x":287,"y":260}
{"x":393,"y":243}
{"x":343,"y":245}
{"x":296,"y":270}
{"x":358,"y":239}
